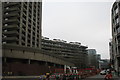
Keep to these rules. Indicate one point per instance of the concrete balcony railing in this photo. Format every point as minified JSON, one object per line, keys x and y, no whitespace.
{"x":12,"y":15}
{"x":11,"y":21}
{"x":11,"y":9}
{"x":11,"y":33}
{"x":10,"y":39}
{"x":10,"y":27}
{"x":12,"y":4}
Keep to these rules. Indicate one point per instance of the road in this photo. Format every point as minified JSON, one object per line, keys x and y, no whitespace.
{"x":96,"y":77}
{"x":101,"y":77}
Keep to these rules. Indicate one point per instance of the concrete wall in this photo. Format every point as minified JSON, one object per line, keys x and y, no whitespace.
{"x":32,"y":55}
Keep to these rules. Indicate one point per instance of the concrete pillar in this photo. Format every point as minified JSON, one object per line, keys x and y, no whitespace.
{"x":65,"y":68}
{"x":0,"y":29}
{"x":5,"y":59}
{"x":54,"y":65}
{"x":29,"y":61}
{"x":46,"y":63}
{"x":0,"y":39}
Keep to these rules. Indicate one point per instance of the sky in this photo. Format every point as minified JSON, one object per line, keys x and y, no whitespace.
{"x":79,"y":21}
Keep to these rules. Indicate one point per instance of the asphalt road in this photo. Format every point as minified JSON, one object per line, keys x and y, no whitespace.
{"x":101,"y":77}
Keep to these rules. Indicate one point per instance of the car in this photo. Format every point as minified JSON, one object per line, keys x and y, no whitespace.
{"x":103,"y":72}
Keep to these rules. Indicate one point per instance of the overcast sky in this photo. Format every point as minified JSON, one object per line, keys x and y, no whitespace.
{"x":84,"y":22}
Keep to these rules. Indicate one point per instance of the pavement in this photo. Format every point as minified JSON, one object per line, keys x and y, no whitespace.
{"x":101,"y":77}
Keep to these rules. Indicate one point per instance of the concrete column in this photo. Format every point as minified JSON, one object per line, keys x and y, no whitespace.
{"x":54,"y":65}
{"x":1,"y":29}
{"x":5,"y":59}
{"x":20,"y":30}
{"x":32,"y":25}
{"x":29,"y":61}
{"x":26,"y":34}
{"x":46,"y":63}
{"x":65,"y":68}
{"x":1,"y":38}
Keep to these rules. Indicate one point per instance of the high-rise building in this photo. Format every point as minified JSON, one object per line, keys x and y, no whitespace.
{"x":115,"y":16}
{"x":98,"y":57}
{"x":22,"y":23}
{"x":112,"y":55}
{"x":21,"y":36}
{"x":92,"y":58}
{"x":21,"y":41}
{"x":104,"y":64}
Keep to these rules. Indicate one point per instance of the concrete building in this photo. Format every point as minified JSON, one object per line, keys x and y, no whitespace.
{"x":115,"y":16}
{"x":21,"y":43}
{"x":112,"y":55}
{"x":24,"y":52}
{"x":22,"y":23}
{"x":0,"y":39}
{"x":104,"y":64}
{"x":93,"y":58}
{"x":21,"y":40}
{"x":73,"y":51}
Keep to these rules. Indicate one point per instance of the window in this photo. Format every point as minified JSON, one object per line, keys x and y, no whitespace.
{"x":5,"y":36}
{"x":6,"y":13}
{"x":7,"y":7}
{"x":6,"y":24}
{"x":6,"y":18}
{"x":5,"y":30}
{"x":4,"y":42}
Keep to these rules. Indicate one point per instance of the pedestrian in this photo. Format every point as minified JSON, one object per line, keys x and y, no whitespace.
{"x":108,"y":76}
{"x":47,"y":76}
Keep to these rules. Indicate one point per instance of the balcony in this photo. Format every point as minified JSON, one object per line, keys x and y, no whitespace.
{"x":11,"y":21}
{"x":12,"y":9}
{"x":12,"y":4}
{"x":11,"y":33}
{"x":12,"y":15}
{"x":10,"y":27}
{"x":10,"y":39}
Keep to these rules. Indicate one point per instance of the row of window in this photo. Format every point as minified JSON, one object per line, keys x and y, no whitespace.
{"x":63,"y":49}
{"x":61,"y":45}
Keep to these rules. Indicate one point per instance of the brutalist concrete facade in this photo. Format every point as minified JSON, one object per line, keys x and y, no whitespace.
{"x":115,"y":16}
{"x":21,"y":41}
{"x":22,"y":23}
{"x":72,"y":52}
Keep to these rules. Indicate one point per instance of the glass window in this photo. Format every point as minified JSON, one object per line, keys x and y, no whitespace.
{"x":6,"y":13}
{"x":5,"y":30}
{"x":6,"y":18}
{"x":6,"y":24}
{"x":7,"y":7}
{"x":4,"y":42}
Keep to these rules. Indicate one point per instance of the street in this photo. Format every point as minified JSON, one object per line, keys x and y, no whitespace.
{"x":101,"y":77}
